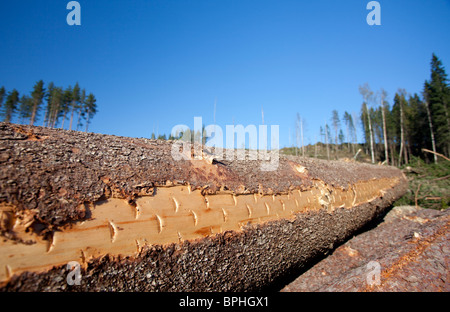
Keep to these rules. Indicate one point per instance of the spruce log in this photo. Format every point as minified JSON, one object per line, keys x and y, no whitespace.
{"x":135,"y":219}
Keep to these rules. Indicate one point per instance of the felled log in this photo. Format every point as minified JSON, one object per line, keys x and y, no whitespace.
{"x":91,"y":212}
{"x":407,"y":252}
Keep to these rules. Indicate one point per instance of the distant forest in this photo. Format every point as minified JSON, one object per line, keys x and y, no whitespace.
{"x":62,"y":107}
{"x":415,"y":125}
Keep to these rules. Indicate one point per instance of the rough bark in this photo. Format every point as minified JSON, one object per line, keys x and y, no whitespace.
{"x":410,"y":251}
{"x":54,"y":181}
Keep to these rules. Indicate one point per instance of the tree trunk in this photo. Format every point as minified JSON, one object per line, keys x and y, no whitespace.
{"x":33,"y":114}
{"x":64,"y":119}
{"x":430,"y":124}
{"x":371,"y":137}
{"x":301,"y":134}
{"x":386,"y":154}
{"x":392,"y":154}
{"x":71,"y":118}
{"x":348,"y":140}
{"x":402,"y":135}
{"x":448,"y":129}
{"x":87,"y":122}
{"x":326,"y":142}
{"x":78,"y":120}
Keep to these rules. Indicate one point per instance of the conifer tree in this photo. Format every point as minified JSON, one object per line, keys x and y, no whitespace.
{"x":80,"y":110}
{"x":437,"y":92}
{"x":90,"y":109}
{"x":367,"y":96}
{"x":37,"y":96}
{"x":336,"y":122}
{"x":383,"y":95}
{"x":74,"y":103}
{"x":10,"y":107}
{"x":2,"y":96}
{"x":66,"y":102}
{"x":48,"y":96}
{"x":25,"y":108}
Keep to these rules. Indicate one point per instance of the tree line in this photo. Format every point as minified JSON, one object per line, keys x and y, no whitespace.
{"x":413,"y":126}
{"x":413,"y":123}
{"x":59,"y":106}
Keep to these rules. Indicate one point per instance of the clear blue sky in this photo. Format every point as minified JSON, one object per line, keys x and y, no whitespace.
{"x":157,"y":63}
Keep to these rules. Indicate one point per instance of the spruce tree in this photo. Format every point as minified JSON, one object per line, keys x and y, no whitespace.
{"x":10,"y":107}
{"x":336,"y":122}
{"x":74,"y":103}
{"x":48,"y":97}
{"x":2,"y":96}
{"x":25,"y":108}
{"x":417,"y":125}
{"x":437,"y":92}
{"x":367,"y":96}
{"x":37,"y":96}
{"x":56,"y":104}
{"x":383,"y":95}
{"x":90,"y":109}
{"x":65,"y":107}
{"x":80,"y":110}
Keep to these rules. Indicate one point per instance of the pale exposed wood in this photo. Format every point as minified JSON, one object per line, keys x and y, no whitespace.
{"x":172,"y":215}
{"x":435,"y":153}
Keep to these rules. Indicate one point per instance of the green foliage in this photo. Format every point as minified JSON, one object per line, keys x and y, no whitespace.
{"x":428,"y":184}
{"x":437,"y":93}
{"x":25,"y":108}
{"x":10,"y":107}
{"x":408,"y":129}
{"x":37,"y":96}
{"x":2,"y":96}
{"x":59,"y":102}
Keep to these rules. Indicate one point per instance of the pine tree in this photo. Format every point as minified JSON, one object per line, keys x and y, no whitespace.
{"x":383,"y":95}
{"x":37,"y":96}
{"x":48,"y":96}
{"x":90,"y":109}
{"x":336,"y":124}
{"x":10,"y":107}
{"x":341,"y":137}
{"x":351,"y":136}
{"x":80,"y":110}
{"x":367,"y":96}
{"x":2,"y":96}
{"x":398,"y":111}
{"x":25,"y":108}
{"x":327,"y":136}
{"x":346,"y":119}
{"x":56,"y":105}
{"x":74,"y":103}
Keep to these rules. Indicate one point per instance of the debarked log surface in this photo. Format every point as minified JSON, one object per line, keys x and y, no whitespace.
{"x":128,"y":216}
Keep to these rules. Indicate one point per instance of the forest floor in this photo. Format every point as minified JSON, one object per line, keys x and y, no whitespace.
{"x":429,"y":184}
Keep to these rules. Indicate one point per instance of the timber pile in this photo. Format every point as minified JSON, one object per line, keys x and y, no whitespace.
{"x":135,"y":219}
